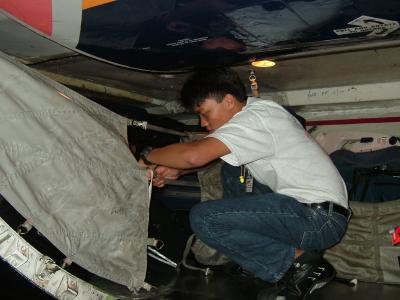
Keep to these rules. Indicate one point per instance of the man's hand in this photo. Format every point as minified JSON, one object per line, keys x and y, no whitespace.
{"x":162,"y":173}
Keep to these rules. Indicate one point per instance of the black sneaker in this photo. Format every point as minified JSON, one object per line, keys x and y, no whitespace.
{"x":300,"y":281}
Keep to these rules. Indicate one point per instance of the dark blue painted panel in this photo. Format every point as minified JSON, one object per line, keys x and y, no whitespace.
{"x":166,"y":35}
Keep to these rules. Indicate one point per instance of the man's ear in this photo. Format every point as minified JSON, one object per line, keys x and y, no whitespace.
{"x":229,"y":100}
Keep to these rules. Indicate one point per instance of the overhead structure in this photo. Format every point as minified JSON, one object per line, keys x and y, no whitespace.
{"x":178,"y":35}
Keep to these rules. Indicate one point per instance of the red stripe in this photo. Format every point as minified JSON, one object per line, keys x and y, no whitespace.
{"x":35,"y":13}
{"x":353,"y":121}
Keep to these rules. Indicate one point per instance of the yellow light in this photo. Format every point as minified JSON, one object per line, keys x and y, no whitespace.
{"x":263,"y":63}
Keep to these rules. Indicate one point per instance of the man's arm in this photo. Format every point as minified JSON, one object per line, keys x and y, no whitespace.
{"x":189,"y":155}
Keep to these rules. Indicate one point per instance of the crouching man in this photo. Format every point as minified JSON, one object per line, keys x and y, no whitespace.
{"x":284,"y":201}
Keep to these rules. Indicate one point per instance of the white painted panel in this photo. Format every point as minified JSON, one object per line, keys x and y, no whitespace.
{"x":339,"y":94}
{"x":67,"y":17}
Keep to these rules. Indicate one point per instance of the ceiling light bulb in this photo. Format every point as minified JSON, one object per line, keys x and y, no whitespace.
{"x":263,"y":63}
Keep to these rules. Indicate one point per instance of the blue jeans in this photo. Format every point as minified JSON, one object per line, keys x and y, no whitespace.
{"x":261,"y":230}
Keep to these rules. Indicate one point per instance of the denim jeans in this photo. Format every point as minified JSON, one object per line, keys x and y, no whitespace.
{"x":261,"y":230}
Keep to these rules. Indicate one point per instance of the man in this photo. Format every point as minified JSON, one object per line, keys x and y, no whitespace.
{"x":284,"y":201}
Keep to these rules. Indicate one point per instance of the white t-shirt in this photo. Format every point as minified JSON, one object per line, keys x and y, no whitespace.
{"x":280,"y":153}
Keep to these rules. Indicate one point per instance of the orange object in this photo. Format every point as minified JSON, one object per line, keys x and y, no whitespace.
{"x":93,"y":3}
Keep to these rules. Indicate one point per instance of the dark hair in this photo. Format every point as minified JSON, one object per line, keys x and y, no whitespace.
{"x":212,"y":82}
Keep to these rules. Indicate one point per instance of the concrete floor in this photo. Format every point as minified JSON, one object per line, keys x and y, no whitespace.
{"x":196,"y":287}
{"x":193,"y":285}
{"x":363,"y":291}
{"x":187,"y":284}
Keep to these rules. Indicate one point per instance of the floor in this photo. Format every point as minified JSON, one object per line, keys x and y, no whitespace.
{"x":191,"y":285}
{"x":223,"y":284}
{"x":220,"y":285}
